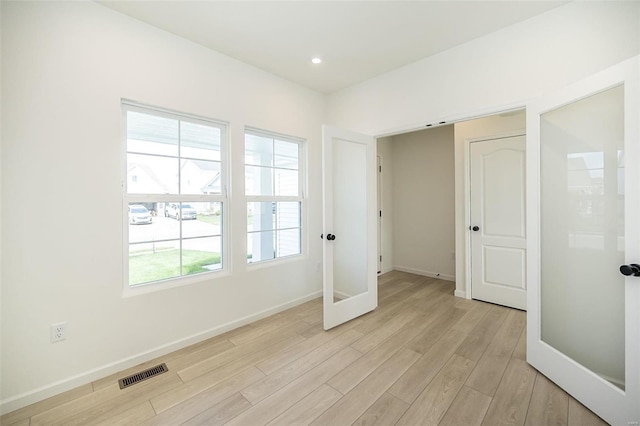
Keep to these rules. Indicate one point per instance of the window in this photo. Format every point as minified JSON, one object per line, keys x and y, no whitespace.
{"x":174,"y":195}
{"x":273,"y":186}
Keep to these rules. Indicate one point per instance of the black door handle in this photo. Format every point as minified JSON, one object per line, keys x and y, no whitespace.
{"x":331,"y":237}
{"x":476,"y":228}
{"x":630,"y":270}
{"x":321,"y":236}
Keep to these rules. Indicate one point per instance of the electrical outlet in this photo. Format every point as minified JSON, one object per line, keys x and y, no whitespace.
{"x":58,"y":332}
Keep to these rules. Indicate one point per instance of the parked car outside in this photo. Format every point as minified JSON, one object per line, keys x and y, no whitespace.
{"x":139,"y":215}
{"x":180,"y":211}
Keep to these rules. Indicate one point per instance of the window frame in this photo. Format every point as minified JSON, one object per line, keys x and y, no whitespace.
{"x":300,"y":198}
{"x":222,"y":198}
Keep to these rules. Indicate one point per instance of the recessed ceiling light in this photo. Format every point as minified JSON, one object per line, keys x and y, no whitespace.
{"x":316,"y":60}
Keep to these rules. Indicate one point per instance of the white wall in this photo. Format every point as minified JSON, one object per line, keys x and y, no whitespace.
{"x":423,"y":200}
{"x":507,"y":67}
{"x":495,"y":125}
{"x":65,"y":68}
{"x":384,"y":151}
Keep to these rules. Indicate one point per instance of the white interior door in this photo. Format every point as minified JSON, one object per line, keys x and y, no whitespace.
{"x":350,"y":220}
{"x":498,"y":226}
{"x":583,"y":321}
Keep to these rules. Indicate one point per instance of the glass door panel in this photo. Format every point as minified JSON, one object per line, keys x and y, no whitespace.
{"x":582,"y":232}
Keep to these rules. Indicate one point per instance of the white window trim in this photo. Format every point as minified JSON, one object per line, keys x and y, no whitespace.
{"x":301,"y":197}
{"x":224,"y":198}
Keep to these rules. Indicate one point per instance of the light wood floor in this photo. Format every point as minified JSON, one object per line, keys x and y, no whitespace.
{"x":422,"y":357}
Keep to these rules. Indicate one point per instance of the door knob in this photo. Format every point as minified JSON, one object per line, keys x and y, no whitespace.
{"x":630,"y":270}
{"x":331,"y":237}
{"x":476,"y":228}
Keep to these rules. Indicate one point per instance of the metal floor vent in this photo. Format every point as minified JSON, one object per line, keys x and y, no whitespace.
{"x":143,"y":375}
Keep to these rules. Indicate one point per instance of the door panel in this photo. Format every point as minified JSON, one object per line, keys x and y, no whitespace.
{"x":350,"y":226}
{"x":583,"y":325}
{"x":498,"y":243}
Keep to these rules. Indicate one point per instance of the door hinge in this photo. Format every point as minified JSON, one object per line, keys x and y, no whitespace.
{"x":379,"y":169}
{"x":380,"y":213}
{"x":380,"y":258}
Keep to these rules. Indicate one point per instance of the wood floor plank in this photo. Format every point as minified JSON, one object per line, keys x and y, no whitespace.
{"x":437,"y":327}
{"x":579,"y":415}
{"x":520,"y":350}
{"x":279,"y":378}
{"x":21,"y":414}
{"x":472,"y":317}
{"x":260,"y":348}
{"x":413,"y":382}
{"x":131,"y":417}
{"x":385,"y":411}
{"x":20,"y":422}
{"x":202,"y":401}
{"x":488,"y":372}
{"x":221,"y":412}
{"x":382,"y":333}
{"x":174,"y":362}
{"x":393,"y":305}
{"x":434,"y":401}
{"x":309,"y":408}
{"x":279,"y":360}
{"x":126,"y":399}
{"x":481,"y":335}
{"x":280,"y":401}
{"x":549,"y":404}
{"x":360,"y":369}
{"x":511,"y":401}
{"x":354,"y":404}
{"x":468,"y":409}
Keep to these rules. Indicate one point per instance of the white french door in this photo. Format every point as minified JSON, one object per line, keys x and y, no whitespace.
{"x":583,"y":206}
{"x":349,"y":225}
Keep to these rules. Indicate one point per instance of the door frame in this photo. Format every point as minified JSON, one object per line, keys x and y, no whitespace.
{"x":467,"y":200}
{"x":574,"y":378}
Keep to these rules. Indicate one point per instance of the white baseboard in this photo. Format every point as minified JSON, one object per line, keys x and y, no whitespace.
{"x":44,"y":392}
{"x":425,"y":273}
{"x":341,"y":295}
{"x":460,"y":293}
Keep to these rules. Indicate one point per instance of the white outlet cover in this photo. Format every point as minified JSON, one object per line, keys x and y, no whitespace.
{"x":58,"y":332}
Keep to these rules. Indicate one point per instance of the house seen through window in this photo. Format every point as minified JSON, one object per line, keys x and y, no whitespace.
{"x":273,"y":186}
{"x":174,"y":194}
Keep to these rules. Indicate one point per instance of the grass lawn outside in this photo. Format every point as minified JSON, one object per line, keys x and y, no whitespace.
{"x":213,"y":219}
{"x":161,"y":265}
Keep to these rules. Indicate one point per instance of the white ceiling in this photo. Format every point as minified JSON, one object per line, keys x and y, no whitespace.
{"x":357,"y":40}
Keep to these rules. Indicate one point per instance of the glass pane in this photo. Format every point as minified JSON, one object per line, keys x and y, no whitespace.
{"x":258,"y":180}
{"x":260,"y":246}
{"x":147,"y":174}
{"x":286,"y":182}
{"x":258,"y":150}
{"x":286,"y":154}
{"x":261,"y":216}
{"x":287,"y":214}
{"x":349,"y":219}
{"x":153,"y":261}
{"x":287,"y":242}
{"x":146,"y":226}
{"x":201,"y":255}
{"x":150,"y":134}
{"x":206,"y":222}
{"x":200,"y":177}
{"x":199,"y":141}
{"x":582,"y":232}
